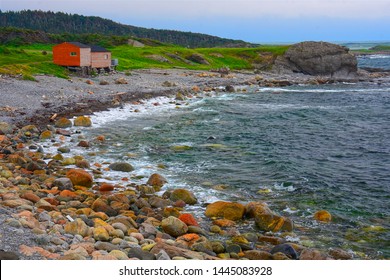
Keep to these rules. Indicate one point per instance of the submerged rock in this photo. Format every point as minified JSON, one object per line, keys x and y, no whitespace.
{"x":323,"y":216}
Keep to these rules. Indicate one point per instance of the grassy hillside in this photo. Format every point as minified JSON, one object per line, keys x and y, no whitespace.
{"x":37,"y":58}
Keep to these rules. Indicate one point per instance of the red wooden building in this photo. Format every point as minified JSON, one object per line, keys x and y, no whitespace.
{"x":75,"y":54}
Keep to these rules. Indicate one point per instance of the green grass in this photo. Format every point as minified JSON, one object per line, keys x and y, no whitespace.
{"x":34,"y":59}
{"x":28,"y":61}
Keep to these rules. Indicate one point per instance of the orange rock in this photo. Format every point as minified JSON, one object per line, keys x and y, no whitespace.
{"x":68,"y":193}
{"x":188,"y":219}
{"x":228,"y":210}
{"x":224,"y":223}
{"x":156,"y":180}
{"x":63,"y":123}
{"x":52,"y":201}
{"x":101,"y":138}
{"x":82,"y":121}
{"x":106,"y":187}
{"x":31,"y":196}
{"x":80,"y":177}
{"x":323,"y":216}
{"x":188,"y":239}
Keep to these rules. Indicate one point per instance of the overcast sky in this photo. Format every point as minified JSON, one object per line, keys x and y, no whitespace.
{"x":250,"y":20}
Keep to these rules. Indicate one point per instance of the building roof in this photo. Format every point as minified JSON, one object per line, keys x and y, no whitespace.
{"x":98,"y":49}
{"x":80,"y":45}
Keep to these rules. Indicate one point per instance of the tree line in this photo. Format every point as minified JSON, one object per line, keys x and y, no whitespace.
{"x":64,"y":25}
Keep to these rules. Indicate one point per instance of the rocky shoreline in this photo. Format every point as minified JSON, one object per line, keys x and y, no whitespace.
{"x":52,"y":208}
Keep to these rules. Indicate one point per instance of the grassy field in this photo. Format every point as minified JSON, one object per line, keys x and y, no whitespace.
{"x":31,"y":60}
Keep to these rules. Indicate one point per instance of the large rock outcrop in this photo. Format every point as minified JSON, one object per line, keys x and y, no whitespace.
{"x":318,"y":58}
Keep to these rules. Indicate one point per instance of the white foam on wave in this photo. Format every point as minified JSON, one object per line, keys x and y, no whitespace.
{"x":156,"y":105}
{"x":321,"y":90}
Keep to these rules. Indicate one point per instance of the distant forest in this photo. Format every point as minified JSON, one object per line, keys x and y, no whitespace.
{"x":77,"y":26}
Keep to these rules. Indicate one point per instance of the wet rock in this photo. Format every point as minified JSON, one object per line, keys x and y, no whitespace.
{"x":156,"y":180}
{"x":217,"y":247}
{"x":323,"y":216}
{"x":286,"y":249}
{"x":203,"y":246}
{"x":173,"y":226}
{"x":185,"y":195}
{"x":63,"y":123}
{"x":233,"y":248}
{"x":340,"y":254}
{"x":230,"y":88}
{"x":83,"y":121}
{"x":77,"y":227}
{"x":80,"y":177}
{"x":312,"y":254}
{"x":45,"y":135}
{"x":227,"y":210}
{"x":267,"y":220}
{"x":121,"y":166}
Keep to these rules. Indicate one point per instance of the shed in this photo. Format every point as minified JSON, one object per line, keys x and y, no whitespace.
{"x":100,"y":57}
{"x":75,"y":54}
{"x":72,"y":54}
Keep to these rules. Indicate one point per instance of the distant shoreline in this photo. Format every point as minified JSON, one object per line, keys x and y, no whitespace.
{"x":36,"y":102}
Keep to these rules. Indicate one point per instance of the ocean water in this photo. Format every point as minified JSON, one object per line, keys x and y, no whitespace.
{"x":299,"y":148}
{"x":375,"y":61}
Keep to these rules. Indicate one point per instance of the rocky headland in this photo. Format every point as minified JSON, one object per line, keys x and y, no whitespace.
{"x":52,"y":207}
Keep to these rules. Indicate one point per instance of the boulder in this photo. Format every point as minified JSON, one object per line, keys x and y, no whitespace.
{"x":227,"y":210}
{"x":318,"y":58}
{"x":323,"y":216}
{"x":156,"y":180}
{"x":267,"y":220}
{"x":121,"y":166}
{"x":185,"y":195}
{"x":83,"y":121}
{"x":80,"y":177}
{"x":173,"y":226}
{"x":198,"y":58}
{"x":63,"y":123}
